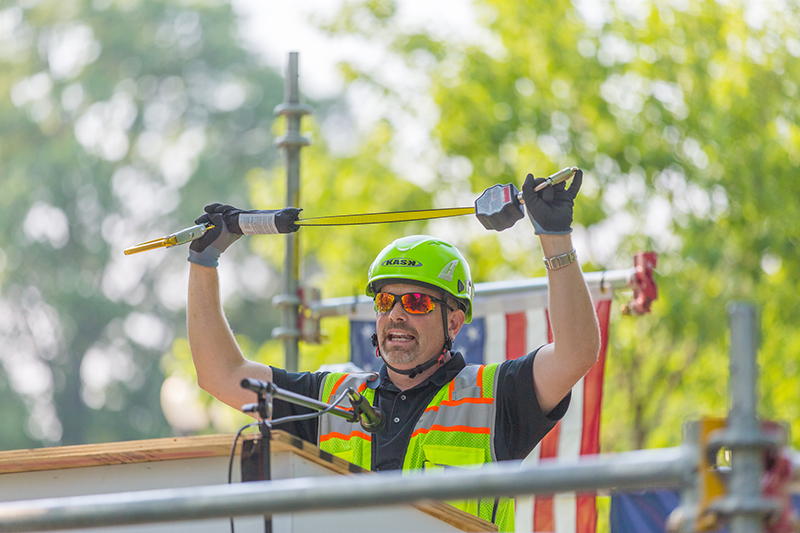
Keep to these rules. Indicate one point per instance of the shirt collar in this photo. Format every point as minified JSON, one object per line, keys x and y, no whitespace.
{"x":444,"y":374}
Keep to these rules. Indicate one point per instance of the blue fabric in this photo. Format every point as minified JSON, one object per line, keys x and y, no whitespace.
{"x":362,"y":353}
{"x":470,"y":342}
{"x":642,"y":512}
{"x":647,"y":512}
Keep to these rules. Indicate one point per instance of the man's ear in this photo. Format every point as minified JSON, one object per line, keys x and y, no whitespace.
{"x":455,"y":320}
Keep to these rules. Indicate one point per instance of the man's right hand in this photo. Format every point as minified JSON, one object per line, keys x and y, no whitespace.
{"x":230,"y":223}
{"x":206,"y":250}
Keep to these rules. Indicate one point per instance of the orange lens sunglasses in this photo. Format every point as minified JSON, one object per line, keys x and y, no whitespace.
{"x":415,"y":303}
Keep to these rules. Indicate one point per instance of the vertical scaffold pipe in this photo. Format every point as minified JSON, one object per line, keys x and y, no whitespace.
{"x":746,"y":460}
{"x":292,"y":143}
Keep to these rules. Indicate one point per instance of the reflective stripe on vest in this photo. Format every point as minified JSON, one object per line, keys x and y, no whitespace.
{"x":338,"y":436}
{"x":456,"y":430}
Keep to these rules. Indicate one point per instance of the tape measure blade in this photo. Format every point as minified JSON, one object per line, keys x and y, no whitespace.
{"x":383,"y":218}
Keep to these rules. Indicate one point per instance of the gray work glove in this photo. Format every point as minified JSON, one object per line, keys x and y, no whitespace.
{"x":206,"y":250}
{"x":550,"y":209}
{"x":230,"y":223}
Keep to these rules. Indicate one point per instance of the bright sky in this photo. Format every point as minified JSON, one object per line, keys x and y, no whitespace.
{"x":276,"y":28}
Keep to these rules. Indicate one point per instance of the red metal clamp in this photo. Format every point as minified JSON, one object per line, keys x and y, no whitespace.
{"x":644,"y":286}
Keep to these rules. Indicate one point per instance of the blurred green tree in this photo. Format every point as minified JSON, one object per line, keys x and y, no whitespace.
{"x":684,"y":117}
{"x":118,"y":122}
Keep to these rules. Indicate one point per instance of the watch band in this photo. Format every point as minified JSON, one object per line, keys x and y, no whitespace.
{"x":559,"y":261}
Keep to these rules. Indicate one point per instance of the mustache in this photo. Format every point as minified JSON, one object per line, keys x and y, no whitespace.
{"x":399,"y":326}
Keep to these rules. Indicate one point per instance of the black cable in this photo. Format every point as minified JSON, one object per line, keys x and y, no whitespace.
{"x":297,"y":418}
{"x":233,"y":452}
{"x":285,"y":419}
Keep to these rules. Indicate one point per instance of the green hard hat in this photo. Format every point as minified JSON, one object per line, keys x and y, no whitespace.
{"x":420,"y":259}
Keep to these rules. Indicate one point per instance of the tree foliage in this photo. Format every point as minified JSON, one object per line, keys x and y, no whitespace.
{"x":118,"y":122}
{"x":684,"y":117}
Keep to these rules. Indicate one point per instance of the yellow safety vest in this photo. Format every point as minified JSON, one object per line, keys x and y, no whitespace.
{"x":456,"y":430}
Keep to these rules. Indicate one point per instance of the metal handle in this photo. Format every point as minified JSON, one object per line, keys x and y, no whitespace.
{"x":180,"y":237}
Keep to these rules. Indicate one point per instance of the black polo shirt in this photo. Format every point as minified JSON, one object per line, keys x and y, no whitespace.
{"x":519,"y":423}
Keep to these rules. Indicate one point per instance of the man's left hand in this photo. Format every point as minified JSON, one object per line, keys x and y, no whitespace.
{"x":550,"y":209}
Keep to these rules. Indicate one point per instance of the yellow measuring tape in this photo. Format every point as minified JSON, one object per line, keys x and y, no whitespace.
{"x":381,"y":218}
{"x":195,"y":232}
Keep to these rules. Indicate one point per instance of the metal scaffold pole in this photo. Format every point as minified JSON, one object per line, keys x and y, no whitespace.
{"x":631,"y":470}
{"x":748,"y":508}
{"x":292,"y":142}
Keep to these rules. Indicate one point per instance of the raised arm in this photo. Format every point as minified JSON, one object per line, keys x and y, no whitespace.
{"x":219,"y":361}
{"x":576,"y":334}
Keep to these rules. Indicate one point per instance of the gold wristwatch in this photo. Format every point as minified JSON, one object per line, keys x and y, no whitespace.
{"x":559,"y":261}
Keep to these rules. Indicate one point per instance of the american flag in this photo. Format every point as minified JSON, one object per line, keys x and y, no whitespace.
{"x":508,"y":334}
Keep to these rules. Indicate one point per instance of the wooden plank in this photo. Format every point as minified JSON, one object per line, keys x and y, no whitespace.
{"x":194,"y":447}
{"x":115,"y":453}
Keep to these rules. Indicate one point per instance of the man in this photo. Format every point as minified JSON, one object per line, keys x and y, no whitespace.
{"x":440,"y":412}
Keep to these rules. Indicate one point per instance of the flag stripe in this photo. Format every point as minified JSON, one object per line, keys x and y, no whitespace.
{"x":593,"y":387}
{"x":524,"y":508}
{"x":586,"y":505}
{"x":586,"y":519}
{"x":543,"y":512}
{"x":571,"y":432}
{"x":578,"y":433}
{"x":537,"y":329}
{"x":536,"y":336}
{"x":565,"y":511}
{"x":516,"y":335}
{"x":495,"y":344}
